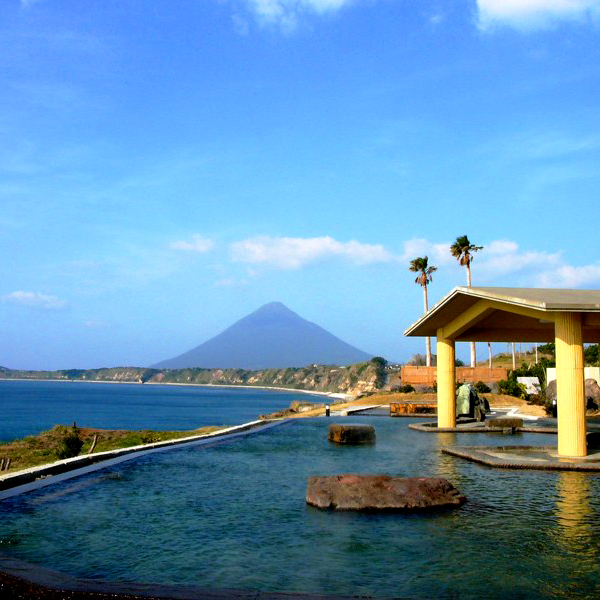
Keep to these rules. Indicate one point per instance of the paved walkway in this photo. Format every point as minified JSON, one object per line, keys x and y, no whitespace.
{"x":525,"y":457}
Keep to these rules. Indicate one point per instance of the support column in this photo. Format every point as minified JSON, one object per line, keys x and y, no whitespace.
{"x":446,"y":387}
{"x":570,"y":385}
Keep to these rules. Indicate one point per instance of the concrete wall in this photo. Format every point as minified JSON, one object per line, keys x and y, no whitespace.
{"x":589,"y":373}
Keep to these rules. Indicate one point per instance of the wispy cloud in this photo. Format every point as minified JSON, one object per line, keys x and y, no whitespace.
{"x":534,"y":14}
{"x":437,"y":252}
{"x":198,"y":243}
{"x":34,"y":300}
{"x":286,"y":13}
{"x":293,"y":253}
{"x":94,"y":324}
{"x":231,"y":282}
{"x":543,"y":145}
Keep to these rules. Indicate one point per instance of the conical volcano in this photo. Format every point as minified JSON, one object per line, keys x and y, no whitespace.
{"x":271,"y":337}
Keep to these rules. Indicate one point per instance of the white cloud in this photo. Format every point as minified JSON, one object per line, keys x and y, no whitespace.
{"x":197,"y":244}
{"x":293,"y":253}
{"x":34,"y":300}
{"x":287,"y":12}
{"x":567,"y":276}
{"x":503,"y":257}
{"x":503,"y":263}
{"x":534,"y":14}
{"x":500,"y":263}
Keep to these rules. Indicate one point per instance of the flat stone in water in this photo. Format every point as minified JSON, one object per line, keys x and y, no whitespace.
{"x":351,"y":434}
{"x":504,"y":422}
{"x":381,"y":493}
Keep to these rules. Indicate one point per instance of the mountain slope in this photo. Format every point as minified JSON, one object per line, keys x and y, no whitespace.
{"x":271,"y":337}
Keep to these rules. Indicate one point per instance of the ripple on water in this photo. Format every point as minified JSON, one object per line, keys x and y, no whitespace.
{"x":233,"y":515}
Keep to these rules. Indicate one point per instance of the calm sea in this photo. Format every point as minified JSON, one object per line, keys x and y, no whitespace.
{"x":28,"y":407}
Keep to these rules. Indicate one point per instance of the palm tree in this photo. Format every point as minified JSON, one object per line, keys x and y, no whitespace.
{"x":463,"y":250}
{"x":420,"y":265}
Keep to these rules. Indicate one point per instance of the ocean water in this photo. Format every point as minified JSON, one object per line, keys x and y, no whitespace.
{"x":28,"y":407}
{"x":233,"y":515}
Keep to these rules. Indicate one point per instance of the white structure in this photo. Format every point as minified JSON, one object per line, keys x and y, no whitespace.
{"x":532,"y":384}
{"x":588,"y":373}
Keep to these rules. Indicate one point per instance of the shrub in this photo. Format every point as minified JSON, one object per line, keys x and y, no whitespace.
{"x":380,"y":365}
{"x":510,"y":387}
{"x":525,"y":370}
{"x":482,"y":388}
{"x":406,"y":389}
{"x":70,"y":444}
{"x":539,"y":399}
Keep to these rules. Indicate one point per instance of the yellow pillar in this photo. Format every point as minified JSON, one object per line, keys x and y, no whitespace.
{"x":446,"y":388}
{"x":570,"y":385}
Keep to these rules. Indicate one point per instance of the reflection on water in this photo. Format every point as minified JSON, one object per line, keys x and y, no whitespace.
{"x":573,"y":508}
{"x":576,"y":534}
{"x":233,"y":516}
{"x":575,"y":515}
{"x":447,"y":465}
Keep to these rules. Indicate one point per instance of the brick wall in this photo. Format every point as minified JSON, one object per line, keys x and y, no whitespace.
{"x":428,"y":375}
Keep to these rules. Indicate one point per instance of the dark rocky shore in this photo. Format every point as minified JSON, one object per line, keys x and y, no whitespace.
{"x":16,"y":588}
{"x":13,"y":587}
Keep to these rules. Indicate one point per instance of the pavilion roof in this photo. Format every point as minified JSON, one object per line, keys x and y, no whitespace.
{"x":508,"y":314}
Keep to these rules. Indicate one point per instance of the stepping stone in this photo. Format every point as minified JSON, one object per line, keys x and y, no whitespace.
{"x":504,"y":422}
{"x":381,"y":493}
{"x":351,"y":434}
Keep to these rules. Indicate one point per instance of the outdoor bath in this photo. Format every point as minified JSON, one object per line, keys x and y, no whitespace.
{"x":232,"y":515}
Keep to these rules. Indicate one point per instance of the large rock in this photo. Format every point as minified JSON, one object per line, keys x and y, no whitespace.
{"x":592,"y":439}
{"x":351,"y":434}
{"x":592,"y":393}
{"x":381,"y":493}
{"x":551,"y":392}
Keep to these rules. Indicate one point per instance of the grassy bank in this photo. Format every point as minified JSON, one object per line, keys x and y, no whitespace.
{"x":45,"y":447}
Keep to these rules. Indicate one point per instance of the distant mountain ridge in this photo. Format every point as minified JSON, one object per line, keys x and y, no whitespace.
{"x":271,"y":337}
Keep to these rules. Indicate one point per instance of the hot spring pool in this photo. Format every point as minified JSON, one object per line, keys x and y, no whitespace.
{"x":232,"y":515}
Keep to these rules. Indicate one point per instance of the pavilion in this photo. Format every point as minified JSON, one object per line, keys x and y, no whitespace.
{"x":569,"y":318}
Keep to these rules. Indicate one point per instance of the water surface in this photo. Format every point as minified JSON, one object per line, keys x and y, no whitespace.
{"x":28,"y":407}
{"x":233,"y":515}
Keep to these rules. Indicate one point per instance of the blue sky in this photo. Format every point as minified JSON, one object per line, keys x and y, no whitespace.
{"x":168,"y":167}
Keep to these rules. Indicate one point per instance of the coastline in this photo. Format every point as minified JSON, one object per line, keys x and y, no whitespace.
{"x":338,"y":395}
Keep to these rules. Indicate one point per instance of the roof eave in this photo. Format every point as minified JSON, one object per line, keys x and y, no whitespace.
{"x":432,"y":311}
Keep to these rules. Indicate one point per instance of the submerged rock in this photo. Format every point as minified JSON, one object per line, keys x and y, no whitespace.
{"x":381,"y":493}
{"x":351,"y":434}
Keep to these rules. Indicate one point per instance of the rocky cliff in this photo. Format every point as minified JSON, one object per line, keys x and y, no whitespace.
{"x":354,"y":379}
